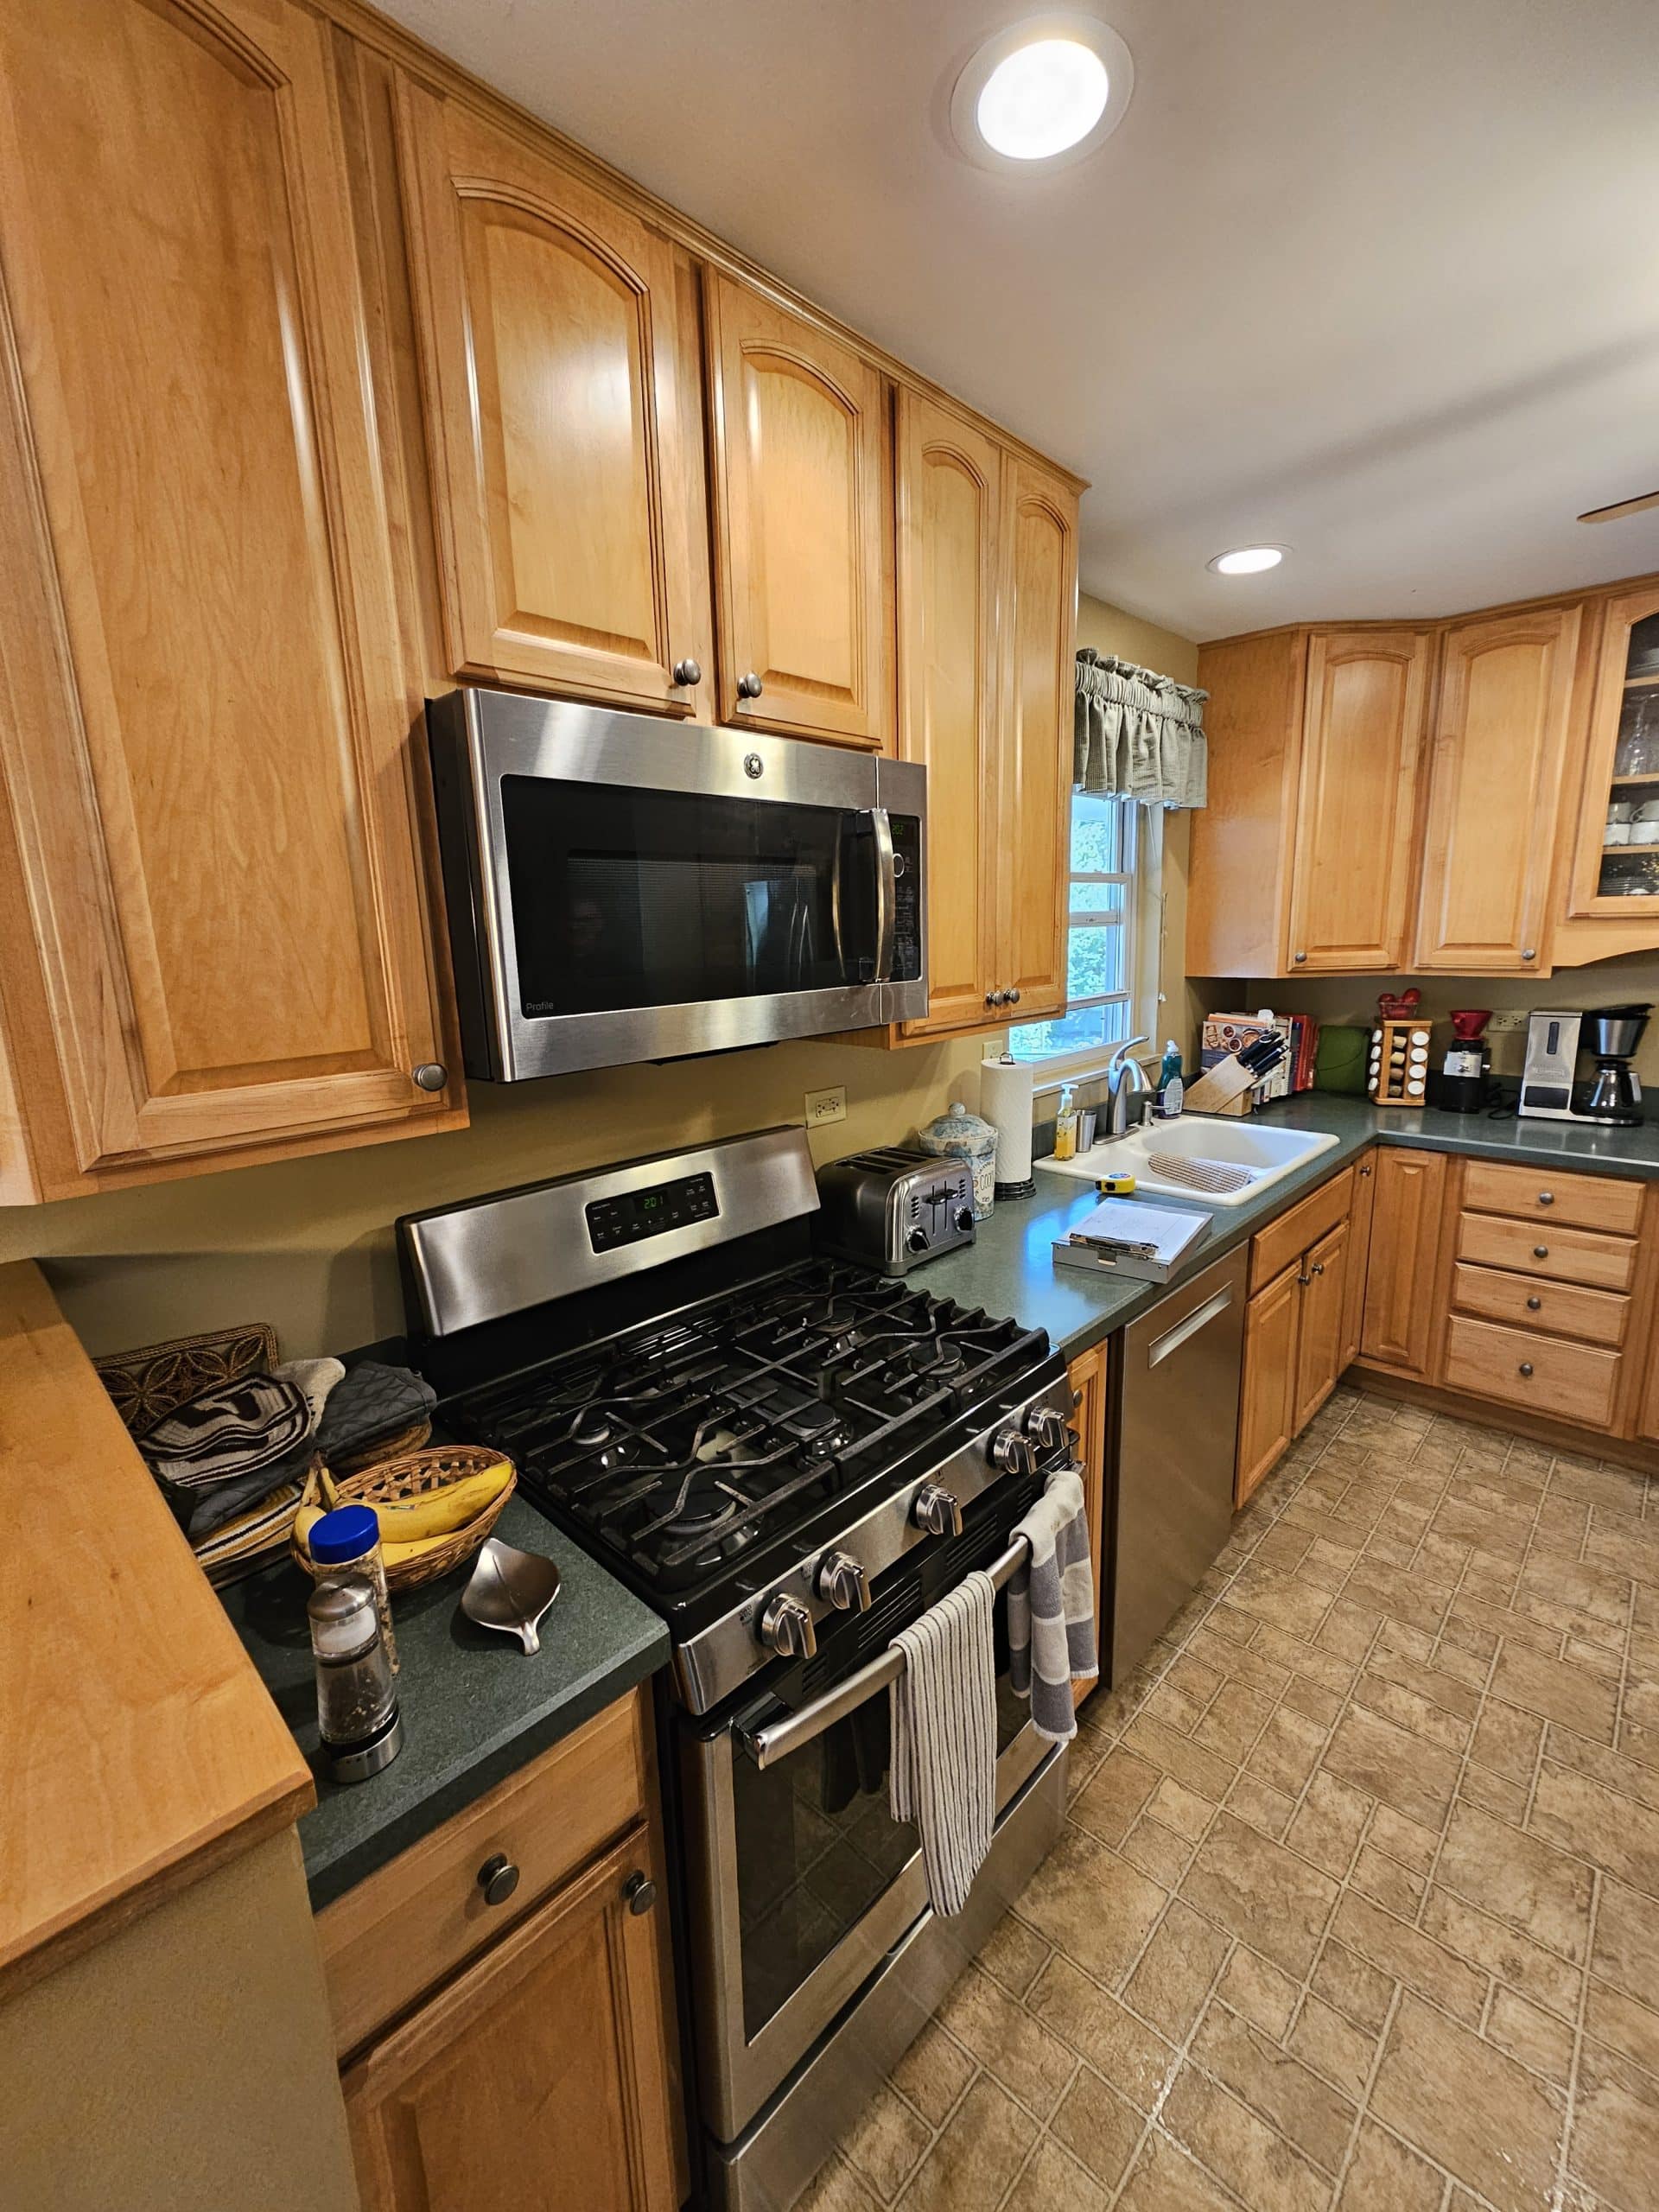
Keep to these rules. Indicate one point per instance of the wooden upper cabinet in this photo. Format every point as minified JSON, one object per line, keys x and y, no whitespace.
{"x":562,"y":410}
{"x":1494,"y":782}
{"x":949,"y":555}
{"x":1362,"y":739}
{"x":1031,"y":824}
{"x":803,"y":523}
{"x":1402,"y":1294}
{"x":206,"y":740}
{"x":1238,"y":887}
{"x":1608,"y":878}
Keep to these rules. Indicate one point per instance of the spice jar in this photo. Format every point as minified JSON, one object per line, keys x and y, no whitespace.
{"x":356,"y":1703}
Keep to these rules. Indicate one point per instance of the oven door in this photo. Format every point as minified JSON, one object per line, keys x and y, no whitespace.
{"x":800,"y":1880}
{"x":623,"y":890}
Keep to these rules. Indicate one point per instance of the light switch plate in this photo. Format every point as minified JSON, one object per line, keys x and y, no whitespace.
{"x":825,"y":1106}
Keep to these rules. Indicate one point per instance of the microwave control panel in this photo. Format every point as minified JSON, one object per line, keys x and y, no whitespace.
{"x":907,"y":899}
{"x":633,"y":1215}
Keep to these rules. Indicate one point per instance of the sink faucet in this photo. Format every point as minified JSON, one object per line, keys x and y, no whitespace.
{"x":1126,"y":1081}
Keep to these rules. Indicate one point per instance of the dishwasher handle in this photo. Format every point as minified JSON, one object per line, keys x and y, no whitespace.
{"x":1183,"y":1333}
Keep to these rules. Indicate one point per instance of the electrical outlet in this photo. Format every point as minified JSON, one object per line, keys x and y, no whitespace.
{"x":1508,"y":1018}
{"x":825,"y":1106}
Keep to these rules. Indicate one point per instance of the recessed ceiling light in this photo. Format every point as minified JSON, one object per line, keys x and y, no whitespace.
{"x":1042,"y":94}
{"x":1247,"y":560}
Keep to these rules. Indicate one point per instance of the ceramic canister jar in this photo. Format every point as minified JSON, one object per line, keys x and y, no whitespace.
{"x":961,"y":1135}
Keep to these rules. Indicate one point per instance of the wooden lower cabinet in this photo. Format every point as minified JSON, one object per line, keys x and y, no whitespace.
{"x":1408,"y":1212}
{"x":1267,"y":1398}
{"x":1323,"y":1283}
{"x":537,"y":2076}
{"x":1087,"y":1376}
{"x":1296,"y":1325}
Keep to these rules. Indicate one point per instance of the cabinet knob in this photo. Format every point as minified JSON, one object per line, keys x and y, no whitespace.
{"x":640,"y":1891}
{"x":497,"y":1877}
{"x":1529,"y":952}
{"x":1366,"y":1169}
{"x":687,"y":672}
{"x":1546,"y":1198}
{"x":1012,"y":997}
{"x":1299,"y":958}
{"x":1526,"y":1367}
{"x":749,"y":686}
{"x":1541,"y":1251}
{"x":1535,"y":1306}
{"x":995,"y":998}
{"x":1317,"y":1268}
{"x":431,"y":1075}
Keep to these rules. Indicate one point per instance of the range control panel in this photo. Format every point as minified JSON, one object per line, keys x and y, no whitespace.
{"x":632,"y":1215}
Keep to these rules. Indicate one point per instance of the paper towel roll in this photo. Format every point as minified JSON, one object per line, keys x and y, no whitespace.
{"x":1004,"y":1102}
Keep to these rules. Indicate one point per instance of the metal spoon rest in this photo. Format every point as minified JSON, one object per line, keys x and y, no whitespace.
{"x":510,"y":1589}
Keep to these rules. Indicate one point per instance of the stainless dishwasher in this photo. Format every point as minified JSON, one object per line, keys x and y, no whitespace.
{"x":1177,"y":1437}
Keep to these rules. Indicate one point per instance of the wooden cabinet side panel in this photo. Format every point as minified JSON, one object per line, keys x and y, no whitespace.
{"x":1363,"y":729}
{"x":950,"y":550}
{"x":1238,"y":894}
{"x":1495,"y":777}
{"x":1401,"y":1284}
{"x":1266,"y":1396}
{"x":1032,"y":825}
{"x":1359,"y":1258}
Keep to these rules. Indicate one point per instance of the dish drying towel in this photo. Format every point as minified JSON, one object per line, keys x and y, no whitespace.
{"x":1052,"y":1608}
{"x":943,"y":1714}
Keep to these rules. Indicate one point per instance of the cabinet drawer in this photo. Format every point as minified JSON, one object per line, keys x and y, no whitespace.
{"x":1540,"y":1248}
{"x":405,"y":1928}
{"x":1282,"y":1241}
{"x":1571,"y":1381}
{"x":1559,"y":1309}
{"x":1539,"y":1194}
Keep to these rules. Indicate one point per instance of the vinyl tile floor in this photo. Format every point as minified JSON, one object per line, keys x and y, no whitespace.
{"x":1357,"y":1902}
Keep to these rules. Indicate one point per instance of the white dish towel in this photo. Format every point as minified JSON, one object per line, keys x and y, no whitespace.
{"x":1052,"y":1608}
{"x":944,"y":1707}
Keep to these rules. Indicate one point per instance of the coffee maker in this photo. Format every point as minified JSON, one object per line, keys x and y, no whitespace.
{"x":1468,"y":1063}
{"x":1550,"y":1089}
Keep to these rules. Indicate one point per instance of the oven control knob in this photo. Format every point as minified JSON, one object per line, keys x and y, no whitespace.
{"x":787,"y":1627}
{"x":1046,"y":1428}
{"x":1014,"y":1451}
{"x":935,"y":1508}
{"x":843,"y":1583}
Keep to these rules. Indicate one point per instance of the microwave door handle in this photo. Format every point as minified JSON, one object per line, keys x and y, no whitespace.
{"x":887,"y":894}
{"x":765,"y":1746}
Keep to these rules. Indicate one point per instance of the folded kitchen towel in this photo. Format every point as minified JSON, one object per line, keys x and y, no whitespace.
{"x":943,"y":1714}
{"x":1052,"y":1608}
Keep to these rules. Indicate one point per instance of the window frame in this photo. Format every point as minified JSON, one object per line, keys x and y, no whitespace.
{"x":1142,"y":918}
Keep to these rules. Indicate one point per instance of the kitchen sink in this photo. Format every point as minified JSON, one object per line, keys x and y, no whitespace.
{"x":1270,"y":1155}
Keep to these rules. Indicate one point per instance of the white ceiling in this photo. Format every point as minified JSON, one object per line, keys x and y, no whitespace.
{"x":1375,"y":279}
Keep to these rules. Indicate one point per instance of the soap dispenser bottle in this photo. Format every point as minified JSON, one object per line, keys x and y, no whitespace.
{"x":1171,"y":1089}
{"x":1066,"y":1125}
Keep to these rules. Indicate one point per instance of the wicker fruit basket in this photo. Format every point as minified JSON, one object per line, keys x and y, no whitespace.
{"x":412,"y":1475}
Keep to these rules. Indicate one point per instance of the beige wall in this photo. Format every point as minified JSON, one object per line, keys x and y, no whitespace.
{"x":185,"y":2064}
{"x":307,"y":1245}
{"x":1109,"y":630}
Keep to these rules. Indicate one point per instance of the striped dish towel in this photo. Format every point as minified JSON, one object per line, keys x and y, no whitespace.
{"x":943,"y":1710}
{"x":1052,"y":1608}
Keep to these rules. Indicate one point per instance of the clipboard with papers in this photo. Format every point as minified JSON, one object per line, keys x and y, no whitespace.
{"x":1124,"y":1237}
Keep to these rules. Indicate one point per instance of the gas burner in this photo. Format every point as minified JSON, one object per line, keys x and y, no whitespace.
{"x":590,"y":1426}
{"x":702,"y":1513}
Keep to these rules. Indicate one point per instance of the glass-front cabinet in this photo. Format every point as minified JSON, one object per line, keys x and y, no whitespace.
{"x":1618,"y":857}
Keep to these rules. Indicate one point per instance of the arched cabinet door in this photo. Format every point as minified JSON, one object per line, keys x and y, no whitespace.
{"x":803,"y":558}
{"x":949,"y":552}
{"x":209,"y":840}
{"x":561,"y":408}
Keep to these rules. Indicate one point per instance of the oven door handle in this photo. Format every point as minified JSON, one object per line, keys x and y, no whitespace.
{"x":765,"y":1746}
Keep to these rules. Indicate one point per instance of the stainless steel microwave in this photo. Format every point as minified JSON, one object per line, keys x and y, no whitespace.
{"x":621,"y":888}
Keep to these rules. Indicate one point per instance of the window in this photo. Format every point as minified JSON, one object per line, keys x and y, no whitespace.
{"x":1113,"y":898}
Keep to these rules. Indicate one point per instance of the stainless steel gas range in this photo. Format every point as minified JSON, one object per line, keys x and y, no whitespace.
{"x":790,"y":1458}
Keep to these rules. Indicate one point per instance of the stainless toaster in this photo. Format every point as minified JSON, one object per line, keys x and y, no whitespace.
{"x":893,"y":1209}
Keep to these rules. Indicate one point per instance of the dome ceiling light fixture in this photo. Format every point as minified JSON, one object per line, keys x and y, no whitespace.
{"x":1042,"y":94}
{"x":1247,"y":560}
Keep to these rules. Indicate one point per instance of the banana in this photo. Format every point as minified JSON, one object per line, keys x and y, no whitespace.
{"x":442,"y":1512}
{"x":396,"y":1555}
{"x":304,"y":1521}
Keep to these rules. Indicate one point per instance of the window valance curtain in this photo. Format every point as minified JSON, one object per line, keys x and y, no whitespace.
{"x":1138,"y":735}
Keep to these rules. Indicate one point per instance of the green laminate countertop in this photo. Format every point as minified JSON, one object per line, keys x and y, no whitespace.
{"x":474,"y":1705}
{"x":1009,"y":1268}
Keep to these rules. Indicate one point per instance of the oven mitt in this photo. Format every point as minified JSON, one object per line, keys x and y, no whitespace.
{"x":216,"y":1455}
{"x":371,"y":1400}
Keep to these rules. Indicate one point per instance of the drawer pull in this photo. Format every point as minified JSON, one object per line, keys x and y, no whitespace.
{"x":1541,"y":1251}
{"x":1525,"y":1367}
{"x":1535,"y":1304}
{"x":497,"y":1877}
{"x":640,"y":1891}
{"x":1546,"y":1198}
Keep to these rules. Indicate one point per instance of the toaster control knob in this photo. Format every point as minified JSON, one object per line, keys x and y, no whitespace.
{"x":843,"y":1583}
{"x":787,"y":1627}
{"x":1012,"y":1451}
{"x":1047,"y":1428}
{"x":936,"y":1509}
{"x":965,"y":1220}
{"x":917,"y":1240}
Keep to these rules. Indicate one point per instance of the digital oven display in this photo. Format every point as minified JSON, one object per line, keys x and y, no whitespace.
{"x":632,"y":1215}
